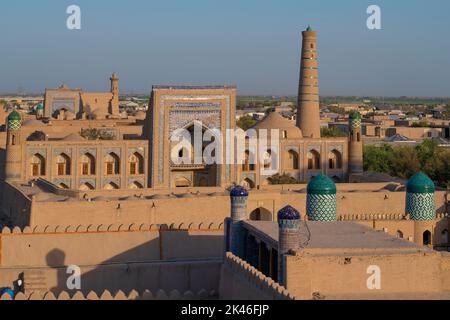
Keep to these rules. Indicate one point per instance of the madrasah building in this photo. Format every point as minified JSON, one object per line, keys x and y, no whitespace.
{"x":79,"y":174}
{"x":79,"y":140}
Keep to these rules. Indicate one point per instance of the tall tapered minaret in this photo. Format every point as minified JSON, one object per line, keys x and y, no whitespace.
{"x":115,"y":92}
{"x":308,"y":110}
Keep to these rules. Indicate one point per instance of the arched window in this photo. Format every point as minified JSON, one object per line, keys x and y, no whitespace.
{"x":426,"y":238}
{"x":313,"y":160}
{"x":292,"y":163}
{"x":399,"y":234}
{"x":248,"y":164}
{"x":63,"y":165}
{"x":37,"y":165}
{"x":136,"y":164}
{"x":260,"y":214}
{"x":112,"y":162}
{"x":335,"y":160}
{"x":87,"y":165}
{"x":185,"y":155}
{"x":268,"y":159}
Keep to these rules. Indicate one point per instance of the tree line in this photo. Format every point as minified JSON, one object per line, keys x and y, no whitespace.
{"x":404,"y":161}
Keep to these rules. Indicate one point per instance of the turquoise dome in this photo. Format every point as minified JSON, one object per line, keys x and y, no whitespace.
{"x":40,"y":107}
{"x":321,"y":185}
{"x":420,"y":183}
{"x":14,"y":116}
{"x":309,"y":29}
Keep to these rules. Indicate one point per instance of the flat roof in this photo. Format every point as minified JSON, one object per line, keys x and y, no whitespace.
{"x":336,"y":235}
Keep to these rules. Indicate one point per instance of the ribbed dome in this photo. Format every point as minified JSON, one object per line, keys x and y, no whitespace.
{"x":420,"y":183}
{"x":321,"y":185}
{"x":288,"y":213}
{"x":14,"y":116}
{"x":276,"y":121}
{"x":239,"y":191}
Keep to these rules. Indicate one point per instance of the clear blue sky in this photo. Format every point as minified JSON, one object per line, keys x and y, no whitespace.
{"x":254,"y":44}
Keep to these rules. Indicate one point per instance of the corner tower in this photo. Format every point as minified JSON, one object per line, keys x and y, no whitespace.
{"x":235,"y":234}
{"x":288,"y":238}
{"x":420,"y":198}
{"x":13,"y":163}
{"x":308,"y":110}
{"x":321,"y":199}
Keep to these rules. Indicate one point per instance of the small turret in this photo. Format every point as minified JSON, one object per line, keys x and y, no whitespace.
{"x":420,"y":198}
{"x":14,"y":121}
{"x":321,"y":199}
{"x":235,"y":234}
{"x":238,"y":196}
{"x":288,"y":237}
{"x":39,"y":111}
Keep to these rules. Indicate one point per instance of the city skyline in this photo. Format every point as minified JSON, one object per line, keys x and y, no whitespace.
{"x":253,"y":47}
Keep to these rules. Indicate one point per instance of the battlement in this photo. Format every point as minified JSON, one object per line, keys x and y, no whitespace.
{"x":119,"y":295}
{"x":189,"y":226}
{"x":383,"y":216}
{"x":241,"y":280}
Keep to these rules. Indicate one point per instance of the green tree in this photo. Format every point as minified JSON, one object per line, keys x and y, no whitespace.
{"x":420,"y":124}
{"x":404,"y":162}
{"x":282,"y":179}
{"x":377,"y":158}
{"x":332,"y":132}
{"x":245,"y":122}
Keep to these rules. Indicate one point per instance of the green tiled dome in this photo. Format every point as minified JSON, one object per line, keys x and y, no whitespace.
{"x":40,"y":107}
{"x":420,"y":183}
{"x":354,"y":118}
{"x":321,"y":185}
{"x":355,"y":115}
{"x":14,"y":116}
{"x":309,"y":29}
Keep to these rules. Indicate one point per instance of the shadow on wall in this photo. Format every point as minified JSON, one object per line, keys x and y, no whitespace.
{"x":179,"y":267}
